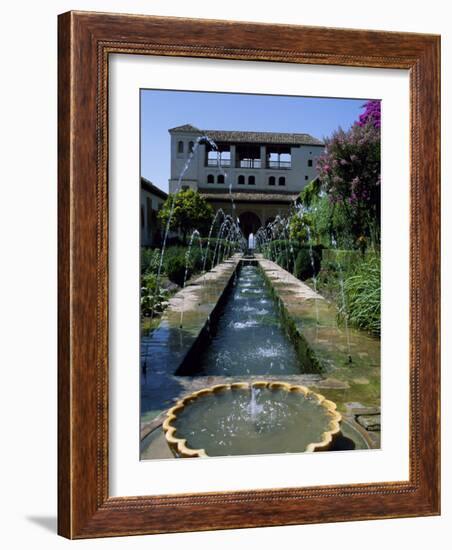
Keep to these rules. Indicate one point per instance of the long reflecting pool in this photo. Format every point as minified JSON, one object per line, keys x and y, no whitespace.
{"x":248,"y":337}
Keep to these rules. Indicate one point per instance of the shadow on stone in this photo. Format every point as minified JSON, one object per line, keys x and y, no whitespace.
{"x":343,"y":444}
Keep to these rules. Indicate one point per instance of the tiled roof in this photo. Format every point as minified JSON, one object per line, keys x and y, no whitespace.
{"x":250,"y":196}
{"x":237,"y":136}
{"x":185,"y":128}
{"x":149,"y":186}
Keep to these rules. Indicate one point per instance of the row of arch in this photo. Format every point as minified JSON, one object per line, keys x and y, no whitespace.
{"x":251,"y":179}
{"x":250,"y":222}
{"x":211,"y":178}
{"x":272,"y":180}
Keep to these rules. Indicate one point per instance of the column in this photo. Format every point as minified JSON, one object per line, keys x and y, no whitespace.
{"x":263,"y":156}
{"x":232,"y":150}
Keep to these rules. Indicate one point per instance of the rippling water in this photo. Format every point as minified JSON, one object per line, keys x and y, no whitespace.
{"x":248,"y":337}
{"x":284,"y":422}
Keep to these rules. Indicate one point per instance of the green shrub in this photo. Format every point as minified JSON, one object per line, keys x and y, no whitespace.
{"x":213,"y":242}
{"x":328,"y":280}
{"x":222,"y":248}
{"x":196,"y":258}
{"x":362,"y":292}
{"x":208,"y":258}
{"x":303,"y":264}
{"x":275,"y":247}
{"x":150,"y":260}
{"x":175,"y":259}
{"x":153,"y":297}
{"x":285,"y":260}
{"x":303,"y":268}
{"x":172,"y":251}
{"x":347,"y":259}
{"x":175,"y":269}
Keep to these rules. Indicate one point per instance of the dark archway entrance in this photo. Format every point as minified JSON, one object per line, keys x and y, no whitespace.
{"x":249,"y":223}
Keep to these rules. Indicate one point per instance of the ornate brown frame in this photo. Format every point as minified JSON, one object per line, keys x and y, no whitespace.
{"x":85,"y":42}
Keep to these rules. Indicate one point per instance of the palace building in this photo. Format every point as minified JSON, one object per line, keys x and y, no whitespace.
{"x":267,"y":169}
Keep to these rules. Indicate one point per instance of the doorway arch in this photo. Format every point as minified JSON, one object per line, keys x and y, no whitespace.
{"x":249,"y":223}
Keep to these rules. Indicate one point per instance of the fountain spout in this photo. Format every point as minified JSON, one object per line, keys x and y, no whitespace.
{"x":251,"y":244}
{"x":254,"y":407}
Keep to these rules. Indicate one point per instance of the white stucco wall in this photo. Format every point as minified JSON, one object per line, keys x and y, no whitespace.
{"x":296,"y":178}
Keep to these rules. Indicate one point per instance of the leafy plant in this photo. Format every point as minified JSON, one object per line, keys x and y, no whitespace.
{"x":154,"y":299}
{"x":362,"y":291}
{"x":150,"y":260}
{"x":298,"y":227}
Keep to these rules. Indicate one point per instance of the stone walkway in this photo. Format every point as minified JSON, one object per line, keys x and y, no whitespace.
{"x":354,"y":386}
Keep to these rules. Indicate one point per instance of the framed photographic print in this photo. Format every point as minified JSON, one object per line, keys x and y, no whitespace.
{"x":248,"y":274}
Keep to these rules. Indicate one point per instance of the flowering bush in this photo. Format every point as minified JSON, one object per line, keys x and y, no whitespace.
{"x":371,"y":115}
{"x":350,"y":173}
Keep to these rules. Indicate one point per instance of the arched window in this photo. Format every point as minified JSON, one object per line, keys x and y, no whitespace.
{"x":241,"y":180}
{"x":191,"y":146}
{"x":220,"y":178}
{"x":282,"y":180}
{"x":210,"y":178}
{"x":251,"y":180}
{"x":271,"y":180}
{"x":180,"y":147}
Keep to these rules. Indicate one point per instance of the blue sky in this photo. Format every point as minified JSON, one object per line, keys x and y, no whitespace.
{"x":162,"y":109}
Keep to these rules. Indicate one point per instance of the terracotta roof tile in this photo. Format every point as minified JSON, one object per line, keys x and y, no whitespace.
{"x":250,"y":197}
{"x":238,"y":136}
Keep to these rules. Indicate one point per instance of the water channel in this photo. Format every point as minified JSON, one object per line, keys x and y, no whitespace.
{"x":248,"y":337}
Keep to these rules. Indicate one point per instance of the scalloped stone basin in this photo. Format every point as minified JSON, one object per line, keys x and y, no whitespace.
{"x":245,"y":419}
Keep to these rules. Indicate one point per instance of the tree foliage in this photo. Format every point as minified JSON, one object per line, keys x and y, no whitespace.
{"x":298,"y":230}
{"x":188,"y":211}
{"x":322,"y":216}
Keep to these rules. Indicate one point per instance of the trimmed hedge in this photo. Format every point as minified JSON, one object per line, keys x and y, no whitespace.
{"x":175,"y":259}
{"x":295,"y":257}
{"x":175,"y":269}
{"x":303,"y":264}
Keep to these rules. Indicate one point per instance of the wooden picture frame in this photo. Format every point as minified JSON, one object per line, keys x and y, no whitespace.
{"x":86,"y":40}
